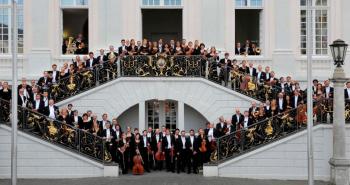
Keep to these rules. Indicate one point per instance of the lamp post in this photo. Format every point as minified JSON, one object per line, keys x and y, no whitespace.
{"x":14,"y":95}
{"x":339,"y":162}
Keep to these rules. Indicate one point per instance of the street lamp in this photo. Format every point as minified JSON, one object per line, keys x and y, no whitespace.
{"x":339,"y":162}
{"x":338,"y":48}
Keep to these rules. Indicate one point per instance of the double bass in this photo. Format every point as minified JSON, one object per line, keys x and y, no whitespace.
{"x":138,"y":169}
{"x":159,"y":154}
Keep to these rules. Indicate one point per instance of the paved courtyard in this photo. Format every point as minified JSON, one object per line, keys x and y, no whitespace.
{"x":158,"y":178}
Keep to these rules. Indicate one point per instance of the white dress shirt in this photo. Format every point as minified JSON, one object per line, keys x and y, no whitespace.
{"x":280,"y":103}
{"x":169,"y":141}
{"x":144,"y":141}
{"x":52,"y":112}
{"x":246,"y":122}
{"x":348,"y":90}
{"x":192,"y":140}
{"x":183,"y":140}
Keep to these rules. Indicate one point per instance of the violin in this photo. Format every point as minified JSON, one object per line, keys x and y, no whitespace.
{"x":138,"y":169}
{"x":159,"y":154}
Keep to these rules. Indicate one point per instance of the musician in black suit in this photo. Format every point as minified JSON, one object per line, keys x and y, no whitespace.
{"x":91,"y":62}
{"x":328,"y":93}
{"x":192,"y":148}
{"x":102,"y":57}
{"x":45,"y":80}
{"x":38,"y":104}
{"x":54,"y":74}
{"x":347,"y":92}
{"x":251,"y":70}
{"x":237,"y":119}
{"x":22,"y":99}
{"x":247,"y":48}
{"x":156,"y":138}
{"x":123,"y":49}
{"x":220,"y":127}
{"x":146,"y":151}
{"x":168,"y":145}
{"x":281,"y":103}
{"x":27,"y":89}
{"x":296,"y":99}
{"x":108,"y":135}
{"x":182,"y":152}
{"x":225,"y":66}
{"x":76,"y":119}
{"x":267,"y":108}
{"x":260,"y":75}
{"x":238,"y":49}
{"x":51,"y":110}
{"x":267,"y":73}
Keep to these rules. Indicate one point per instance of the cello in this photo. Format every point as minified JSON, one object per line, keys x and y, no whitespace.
{"x":138,"y":169}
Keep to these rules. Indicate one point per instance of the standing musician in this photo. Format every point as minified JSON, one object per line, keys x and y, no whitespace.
{"x":192,"y":148}
{"x":146,"y":151}
{"x":123,"y":152}
{"x":225,"y":66}
{"x":157,"y":149}
{"x":169,"y":150}
{"x":181,"y":149}
{"x":108,"y":134}
{"x":203,"y":147}
{"x":220,"y":127}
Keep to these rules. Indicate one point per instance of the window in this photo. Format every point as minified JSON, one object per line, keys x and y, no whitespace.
{"x":74,"y":2}
{"x":162,"y":113}
{"x":161,"y":2}
{"x":248,"y":3}
{"x":319,"y":27}
{"x":5,"y":26}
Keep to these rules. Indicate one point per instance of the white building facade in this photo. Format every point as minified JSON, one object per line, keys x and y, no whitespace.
{"x":278,"y":29}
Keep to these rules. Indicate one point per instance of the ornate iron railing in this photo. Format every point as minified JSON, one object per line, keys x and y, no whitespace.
{"x":163,"y":66}
{"x":57,"y":132}
{"x":258,"y":134}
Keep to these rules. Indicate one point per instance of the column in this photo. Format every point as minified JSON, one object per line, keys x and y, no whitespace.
{"x":339,"y":162}
{"x":142,"y":116}
{"x":181,"y":115}
{"x":37,"y":36}
{"x":229,"y":42}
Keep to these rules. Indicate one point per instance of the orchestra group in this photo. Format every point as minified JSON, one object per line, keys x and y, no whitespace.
{"x":158,"y":148}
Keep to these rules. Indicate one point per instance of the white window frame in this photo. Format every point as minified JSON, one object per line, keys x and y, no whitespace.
{"x":249,"y":5}
{"x":314,"y":9}
{"x":8,"y":6}
{"x":75,"y":5}
{"x":161,"y":5}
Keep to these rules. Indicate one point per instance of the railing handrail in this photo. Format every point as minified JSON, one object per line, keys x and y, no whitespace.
{"x":76,"y":130}
{"x":257,"y":123}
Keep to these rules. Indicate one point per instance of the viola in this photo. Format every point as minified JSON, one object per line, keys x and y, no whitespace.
{"x":159,"y":154}
{"x":138,"y":169}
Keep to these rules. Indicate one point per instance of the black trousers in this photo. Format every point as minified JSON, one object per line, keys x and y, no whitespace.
{"x":169,"y":160}
{"x":192,"y":162}
{"x":145,"y":158}
{"x":123,"y":162}
{"x":181,"y":160}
